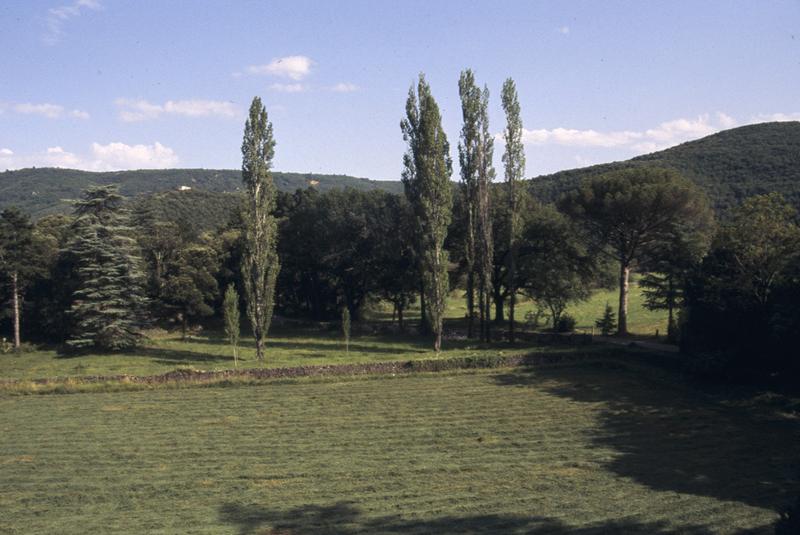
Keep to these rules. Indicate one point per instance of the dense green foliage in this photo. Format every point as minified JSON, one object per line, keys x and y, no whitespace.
{"x":42,"y":191}
{"x":514,"y":162}
{"x":260,"y":262}
{"x":504,"y":451}
{"x":107,"y":310}
{"x":729,"y":166}
{"x":742,"y":315}
{"x":192,"y":211}
{"x":426,"y":180}
{"x":630,"y":214}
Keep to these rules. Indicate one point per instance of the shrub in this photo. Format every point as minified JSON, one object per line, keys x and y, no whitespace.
{"x":565,"y":324}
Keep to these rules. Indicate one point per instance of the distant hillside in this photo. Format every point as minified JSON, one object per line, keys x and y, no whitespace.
{"x":41,"y":191}
{"x":730,"y":165}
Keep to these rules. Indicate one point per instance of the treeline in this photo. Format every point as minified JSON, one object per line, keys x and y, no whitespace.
{"x":95,"y":279}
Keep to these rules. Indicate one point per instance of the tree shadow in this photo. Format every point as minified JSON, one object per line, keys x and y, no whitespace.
{"x":346,"y":519}
{"x":177,"y":356}
{"x":672,"y":437}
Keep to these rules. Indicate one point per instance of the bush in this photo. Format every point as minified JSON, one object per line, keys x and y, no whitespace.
{"x":565,"y":324}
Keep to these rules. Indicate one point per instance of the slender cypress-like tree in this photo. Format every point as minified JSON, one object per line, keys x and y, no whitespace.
{"x":475,"y":150}
{"x":514,"y":160}
{"x":485,"y":243}
{"x":230,"y":309}
{"x":467,"y":148}
{"x":108,"y":306}
{"x":426,"y":180}
{"x":260,"y":264}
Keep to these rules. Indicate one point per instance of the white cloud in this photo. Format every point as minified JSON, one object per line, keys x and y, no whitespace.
{"x":665,"y":135}
{"x":294,"y":67}
{"x":50,"y":111}
{"x":563,"y":30}
{"x":58,"y":16}
{"x":114,"y":156}
{"x":344,"y":87}
{"x":288,"y":88}
{"x":142,"y":110}
{"x":779,"y":117}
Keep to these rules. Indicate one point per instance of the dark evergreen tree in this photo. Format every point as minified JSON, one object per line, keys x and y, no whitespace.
{"x":17,"y":264}
{"x":426,"y":179}
{"x":108,"y":304}
{"x":260,"y":264}
{"x":189,"y":286}
{"x":607,"y":323}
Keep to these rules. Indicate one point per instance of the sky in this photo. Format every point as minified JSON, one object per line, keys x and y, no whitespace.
{"x":112,"y":84}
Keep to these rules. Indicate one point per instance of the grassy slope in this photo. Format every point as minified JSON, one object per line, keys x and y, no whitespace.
{"x":294,"y":347}
{"x":562,"y":450}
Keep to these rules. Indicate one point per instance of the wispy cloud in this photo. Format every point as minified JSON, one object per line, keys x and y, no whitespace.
{"x":58,"y":16}
{"x":134,"y":110}
{"x":49,"y":111}
{"x":115,"y":156}
{"x":294,"y":67}
{"x":563,"y":30}
{"x":662,"y":136}
{"x":288,"y":88}
{"x":344,"y":87}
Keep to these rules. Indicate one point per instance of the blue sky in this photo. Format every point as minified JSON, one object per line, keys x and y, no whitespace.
{"x":107,"y":84}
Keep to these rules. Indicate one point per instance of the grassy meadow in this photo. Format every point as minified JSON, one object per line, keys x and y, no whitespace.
{"x":164,"y":352}
{"x":569,"y":449}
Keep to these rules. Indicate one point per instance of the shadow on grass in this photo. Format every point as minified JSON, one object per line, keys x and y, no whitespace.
{"x":346,"y":519}
{"x":671,"y":437}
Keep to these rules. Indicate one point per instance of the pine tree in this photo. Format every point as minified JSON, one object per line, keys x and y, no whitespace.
{"x":260,"y":264}
{"x":108,"y":305}
{"x":230,"y":309}
{"x":514,"y":160}
{"x":607,"y":323}
{"x":426,"y":180}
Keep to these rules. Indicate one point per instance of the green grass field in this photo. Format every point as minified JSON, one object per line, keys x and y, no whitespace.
{"x":291,"y":347}
{"x":572,"y":449}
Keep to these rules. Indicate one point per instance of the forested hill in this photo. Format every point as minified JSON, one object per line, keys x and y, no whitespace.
{"x":41,"y":191}
{"x":730,"y":165}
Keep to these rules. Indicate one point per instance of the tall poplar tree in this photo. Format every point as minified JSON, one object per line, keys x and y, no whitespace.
{"x":476,"y":148}
{"x":426,"y":180}
{"x":108,"y":305}
{"x":260,"y":264}
{"x":467,"y":148}
{"x":514,"y":161}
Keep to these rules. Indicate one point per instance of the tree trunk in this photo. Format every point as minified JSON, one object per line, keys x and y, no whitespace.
{"x":488,"y":335}
{"x":400,"y":319}
{"x":512,"y":297}
{"x":184,"y":326}
{"x":15,"y":298}
{"x":499,"y":302}
{"x":437,"y":342}
{"x":260,"y":349}
{"x":470,"y":303}
{"x":482,"y":309}
{"x":624,"y":276}
{"x":423,"y":315}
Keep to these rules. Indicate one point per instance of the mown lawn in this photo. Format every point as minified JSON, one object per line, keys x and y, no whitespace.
{"x":299,"y":347}
{"x":578,"y":449}
{"x":285,"y":348}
